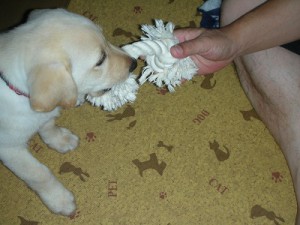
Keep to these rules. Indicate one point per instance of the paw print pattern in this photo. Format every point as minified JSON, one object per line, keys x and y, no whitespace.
{"x":137,"y":9}
{"x":90,"y":136}
{"x":75,"y":215}
{"x":162,"y":91}
{"x":277,"y":177}
{"x":162,"y":195}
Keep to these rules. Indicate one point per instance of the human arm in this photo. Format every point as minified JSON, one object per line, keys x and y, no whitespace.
{"x":271,"y":24}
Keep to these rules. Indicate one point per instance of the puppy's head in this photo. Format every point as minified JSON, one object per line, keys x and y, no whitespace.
{"x":69,"y":58}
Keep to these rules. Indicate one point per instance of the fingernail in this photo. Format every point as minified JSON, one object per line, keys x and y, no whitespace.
{"x":176,"y":51}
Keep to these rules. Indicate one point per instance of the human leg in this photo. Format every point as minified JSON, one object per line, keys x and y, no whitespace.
{"x":271,"y":80}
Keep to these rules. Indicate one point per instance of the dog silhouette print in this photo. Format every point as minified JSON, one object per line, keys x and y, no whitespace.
{"x":150,"y":164}
{"x":128,"y":112}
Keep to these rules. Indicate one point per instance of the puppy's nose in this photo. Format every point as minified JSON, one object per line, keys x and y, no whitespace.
{"x":133,"y":65}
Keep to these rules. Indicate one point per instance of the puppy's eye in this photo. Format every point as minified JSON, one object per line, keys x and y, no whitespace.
{"x":100,"y":62}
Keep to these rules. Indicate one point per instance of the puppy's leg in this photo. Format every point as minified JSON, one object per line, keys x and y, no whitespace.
{"x":58,"y":138}
{"x":39,"y":178}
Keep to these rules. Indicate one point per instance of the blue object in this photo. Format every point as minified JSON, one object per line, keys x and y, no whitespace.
{"x":210,"y":10}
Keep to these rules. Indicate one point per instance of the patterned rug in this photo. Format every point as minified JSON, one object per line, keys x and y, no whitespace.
{"x":197,"y":156}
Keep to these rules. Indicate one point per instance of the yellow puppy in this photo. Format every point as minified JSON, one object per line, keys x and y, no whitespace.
{"x":51,"y":62}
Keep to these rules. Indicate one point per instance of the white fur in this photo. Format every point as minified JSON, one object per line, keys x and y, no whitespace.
{"x":57,"y":50}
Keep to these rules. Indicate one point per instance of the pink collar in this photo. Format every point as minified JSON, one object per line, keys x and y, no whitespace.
{"x":16,"y":90}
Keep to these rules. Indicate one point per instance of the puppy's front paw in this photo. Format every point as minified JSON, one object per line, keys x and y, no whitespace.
{"x":60,"y":139}
{"x":60,"y":201}
{"x":67,"y":142}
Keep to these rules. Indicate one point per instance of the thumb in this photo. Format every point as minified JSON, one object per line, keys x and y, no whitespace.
{"x":187,"y":48}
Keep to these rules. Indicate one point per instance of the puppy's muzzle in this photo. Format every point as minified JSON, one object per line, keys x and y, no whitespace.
{"x":133,"y":65}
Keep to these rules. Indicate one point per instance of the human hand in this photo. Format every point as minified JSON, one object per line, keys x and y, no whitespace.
{"x":211,"y":50}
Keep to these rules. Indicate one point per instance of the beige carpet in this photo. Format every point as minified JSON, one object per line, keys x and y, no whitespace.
{"x":197,"y":156}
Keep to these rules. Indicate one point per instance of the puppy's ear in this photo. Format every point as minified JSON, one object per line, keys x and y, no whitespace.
{"x":51,"y":85}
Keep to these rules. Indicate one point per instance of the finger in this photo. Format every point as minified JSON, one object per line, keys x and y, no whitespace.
{"x":177,"y":51}
{"x":188,"y":48}
{"x":187,"y":33}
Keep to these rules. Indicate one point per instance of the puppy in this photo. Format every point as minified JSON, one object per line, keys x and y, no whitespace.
{"x":51,"y":62}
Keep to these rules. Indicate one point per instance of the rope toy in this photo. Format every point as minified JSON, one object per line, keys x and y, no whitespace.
{"x":161,"y":68}
{"x":118,"y":95}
